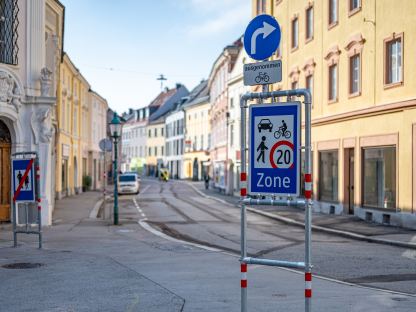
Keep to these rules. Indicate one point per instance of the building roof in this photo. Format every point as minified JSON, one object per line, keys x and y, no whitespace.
{"x":198,"y":95}
{"x":169,"y":102}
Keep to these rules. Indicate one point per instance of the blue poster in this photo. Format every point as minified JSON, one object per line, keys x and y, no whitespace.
{"x":23,"y":180}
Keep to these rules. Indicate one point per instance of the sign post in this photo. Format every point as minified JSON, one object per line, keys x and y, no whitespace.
{"x":26,"y":191}
{"x":274,"y":147}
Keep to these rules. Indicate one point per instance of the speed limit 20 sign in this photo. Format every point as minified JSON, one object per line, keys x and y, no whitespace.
{"x":274,"y":149}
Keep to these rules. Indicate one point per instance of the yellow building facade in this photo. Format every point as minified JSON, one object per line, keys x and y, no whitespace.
{"x":155,"y":146}
{"x":73,"y":108}
{"x":198,"y":137}
{"x":357,"y":59}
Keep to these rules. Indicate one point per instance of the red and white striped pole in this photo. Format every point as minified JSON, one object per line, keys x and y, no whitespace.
{"x":308,"y":273}
{"x":243,"y":184}
{"x":243,"y":267}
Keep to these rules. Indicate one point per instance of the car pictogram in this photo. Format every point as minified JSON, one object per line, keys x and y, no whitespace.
{"x":265,"y":124}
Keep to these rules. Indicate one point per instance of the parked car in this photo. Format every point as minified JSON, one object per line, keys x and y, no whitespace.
{"x":128,"y":184}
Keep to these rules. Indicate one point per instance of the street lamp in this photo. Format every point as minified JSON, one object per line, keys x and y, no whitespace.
{"x":115,"y":130}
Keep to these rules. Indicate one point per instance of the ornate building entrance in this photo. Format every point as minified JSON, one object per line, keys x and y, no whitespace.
{"x":5,"y":151}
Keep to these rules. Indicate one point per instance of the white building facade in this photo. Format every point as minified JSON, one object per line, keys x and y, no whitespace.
{"x":175,"y":143}
{"x":236,"y":89}
{"x":30,"y":52}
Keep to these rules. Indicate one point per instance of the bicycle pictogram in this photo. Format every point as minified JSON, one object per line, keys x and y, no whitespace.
{"x":282,"y":132}
{"x":262,"y":77}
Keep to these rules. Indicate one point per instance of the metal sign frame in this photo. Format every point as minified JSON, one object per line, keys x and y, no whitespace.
{"x":296,"y":141}
{"x":27,"y":229}
{"x":272,"y":201}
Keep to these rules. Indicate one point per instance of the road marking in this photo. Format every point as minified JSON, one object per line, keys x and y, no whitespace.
{"x":139,"y":209}
{"x":210,"y":197}
{"x":152,"y":230}
{"x":145,"y":189}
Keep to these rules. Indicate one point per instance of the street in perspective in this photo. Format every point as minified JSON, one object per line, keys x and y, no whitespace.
{"x":208,"y":156}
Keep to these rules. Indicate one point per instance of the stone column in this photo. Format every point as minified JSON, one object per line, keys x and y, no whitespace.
{"x":35,"y":38}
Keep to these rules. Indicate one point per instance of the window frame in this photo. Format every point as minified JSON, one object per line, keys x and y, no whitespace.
{"x":320,"y":152}
{"x":332,"y":24}
{"x":336,"y":98}
{"x":310,"y":7}
{"x":352,"y":94}
{"x":292,"y":21}
{"x":10,"y":54}
{"x":386,"y":43}
{"x":351,"y":10}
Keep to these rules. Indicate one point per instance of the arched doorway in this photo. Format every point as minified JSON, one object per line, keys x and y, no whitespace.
{"x":5,"y":150}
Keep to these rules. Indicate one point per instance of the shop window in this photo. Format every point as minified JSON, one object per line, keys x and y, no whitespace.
{"x":379,"y":177}
{"x":328,"y":176}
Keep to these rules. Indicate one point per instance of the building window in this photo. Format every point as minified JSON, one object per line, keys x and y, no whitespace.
{"x":202,"y":141}
{"x":156,"y":151}
{"x":328,"y":176}
{"x":155,"y":132}
{"x":8,"y":32}
{"x":333,"y":83}
{"x":161,"y":131}
{"x":333,"y":13}
{"x":355,"y":5}
{"x":232,"y":103}
{"x":309,"y":84}
{"x":261,"y":6}
{"x":162,"y":149}
{"x":309,"y":23}
{"x":355,"y":73}
{"x":150,"y":152}
{"x":295,"y":33}
{"x":150,"y":133}
{"x":379,"y":177}
{"x":394,"y":60}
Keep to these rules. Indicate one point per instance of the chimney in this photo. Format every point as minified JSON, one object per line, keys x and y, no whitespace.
{"x":166,"y":89}
{"x":130,"y":111}
{"x":178,"y":85}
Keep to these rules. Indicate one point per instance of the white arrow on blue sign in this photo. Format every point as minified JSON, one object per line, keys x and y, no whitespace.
{"x":262,"y":37}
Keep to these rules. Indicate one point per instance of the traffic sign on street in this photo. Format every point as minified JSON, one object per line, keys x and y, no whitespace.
{"x":274,"y":149}
{"x":23,"y":180}
{"x":262,"y":37}
{"x":106,"y":145}
{"x":262,"y":73}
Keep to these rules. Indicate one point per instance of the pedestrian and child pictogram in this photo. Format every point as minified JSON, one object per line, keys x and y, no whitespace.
{"x":274,"y":153}
{"x":23,"y":180}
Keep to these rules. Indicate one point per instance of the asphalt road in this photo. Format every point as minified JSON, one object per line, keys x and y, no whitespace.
{"x":175,"y":209}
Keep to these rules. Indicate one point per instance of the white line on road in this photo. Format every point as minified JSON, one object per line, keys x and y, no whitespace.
{"x":145,"y":189}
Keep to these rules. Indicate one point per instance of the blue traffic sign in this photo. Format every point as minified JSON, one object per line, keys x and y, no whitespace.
{"x":262,"y":37}
{"x":23,"y":180}
{"x":274,"y":149}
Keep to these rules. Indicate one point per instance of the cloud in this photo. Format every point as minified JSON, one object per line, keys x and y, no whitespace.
{"x":223,"y":16}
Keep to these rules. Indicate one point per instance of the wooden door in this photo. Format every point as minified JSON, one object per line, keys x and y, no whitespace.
{"x":5,"y":149}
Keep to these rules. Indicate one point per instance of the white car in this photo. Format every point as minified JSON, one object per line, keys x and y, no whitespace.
{"x":128,"y":184}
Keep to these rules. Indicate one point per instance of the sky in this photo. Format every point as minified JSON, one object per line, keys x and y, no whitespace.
{"x":122,"y":46}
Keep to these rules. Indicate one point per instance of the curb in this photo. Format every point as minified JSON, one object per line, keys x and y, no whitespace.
{"x":289,"y":221}
{"x":94,"y":212}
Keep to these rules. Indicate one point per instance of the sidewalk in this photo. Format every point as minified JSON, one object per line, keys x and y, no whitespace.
{"x":344,"y":225}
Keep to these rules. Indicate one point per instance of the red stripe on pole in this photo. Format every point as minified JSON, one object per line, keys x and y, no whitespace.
{"x":243,"y":268}
{"x":243,"y":191}
{"x":37,"y":168}
{"x":243,"y":283}
{"x":243,"y":176}
{"x":37,"y":177}
{"x":308,"y":277}
{"x":308,"y":293}
{"x":308,"y":177}
{"x":39,"y":200}
{"x":308,"y":194}
{"x":39,"y":208}
{"x":16,"y":194}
